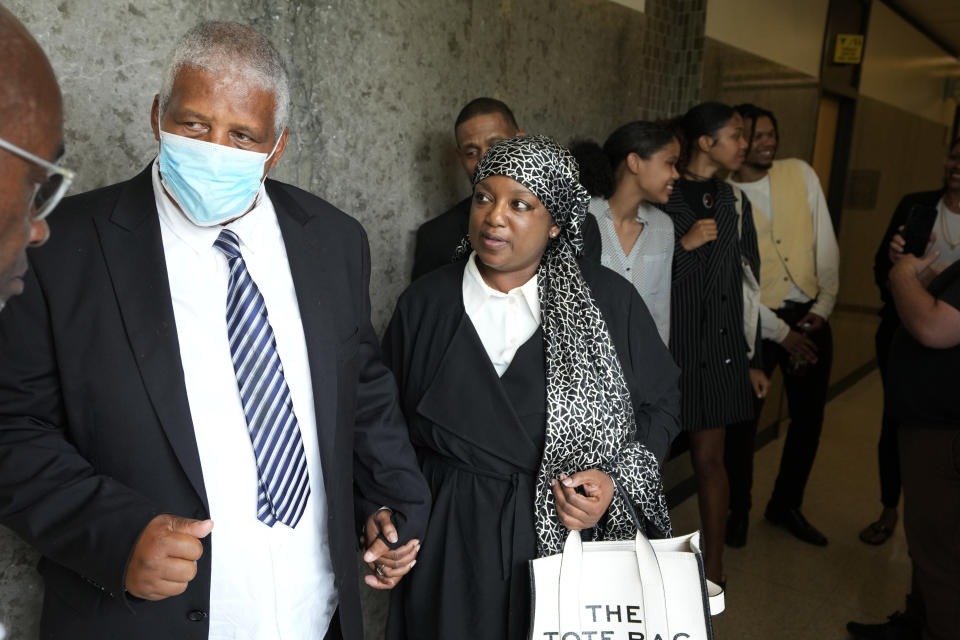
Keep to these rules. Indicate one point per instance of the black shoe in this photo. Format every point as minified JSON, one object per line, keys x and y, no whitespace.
{"x":737,"y":524}
{"x":794,"y":522}
{"x":897,"y":627}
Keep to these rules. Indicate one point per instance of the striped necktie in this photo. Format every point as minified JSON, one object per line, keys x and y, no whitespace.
{"x":283,"y":483}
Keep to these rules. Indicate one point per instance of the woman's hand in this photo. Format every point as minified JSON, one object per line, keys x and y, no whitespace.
{"x":578,"y":511}
{"x":760,"y":382}
{"x":387,"y":566}
{"x":702,"y":232}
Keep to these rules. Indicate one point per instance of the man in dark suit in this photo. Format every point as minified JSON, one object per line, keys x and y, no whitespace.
{"x":31,"y":137}
{"x":480,"y":124}
{"x":147,"y":393}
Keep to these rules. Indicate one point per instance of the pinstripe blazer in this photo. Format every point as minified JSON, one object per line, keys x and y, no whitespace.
{"x":706,"y":313}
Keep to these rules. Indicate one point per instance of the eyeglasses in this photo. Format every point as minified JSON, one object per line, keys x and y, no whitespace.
{"x":47,"y":194}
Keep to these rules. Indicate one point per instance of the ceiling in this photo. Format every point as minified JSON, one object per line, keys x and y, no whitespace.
{"x":939,"y":19}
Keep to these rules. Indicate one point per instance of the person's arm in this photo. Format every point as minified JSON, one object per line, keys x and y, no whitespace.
{"x":50,"y":494}
{"x":771,"y":326}
{"x":386,"y":473}
{"x":658,"y":378}
{"x":827,"y":253}
{"x":933,"y":322}
{"x":750,"y":250}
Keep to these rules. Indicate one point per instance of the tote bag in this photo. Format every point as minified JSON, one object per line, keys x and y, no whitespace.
{"x":623,"y":590}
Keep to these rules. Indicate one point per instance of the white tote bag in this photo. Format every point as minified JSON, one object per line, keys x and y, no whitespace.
{"x":623,"y":590}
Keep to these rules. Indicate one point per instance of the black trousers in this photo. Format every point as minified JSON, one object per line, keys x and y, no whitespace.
{"x":806,"y":398}
{"x":887,"y":450}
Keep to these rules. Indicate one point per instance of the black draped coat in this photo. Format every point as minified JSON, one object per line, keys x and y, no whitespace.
{"x":479,"y":439}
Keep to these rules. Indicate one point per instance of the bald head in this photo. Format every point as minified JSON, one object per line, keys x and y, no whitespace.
{"x":31,"y":119}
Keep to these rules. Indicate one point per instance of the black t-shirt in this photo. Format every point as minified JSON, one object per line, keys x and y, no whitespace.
{"x":924,"y":389}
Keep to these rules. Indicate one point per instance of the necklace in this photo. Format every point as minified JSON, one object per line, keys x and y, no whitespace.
{"x":945,"y":228}
{"x":695,"y":177}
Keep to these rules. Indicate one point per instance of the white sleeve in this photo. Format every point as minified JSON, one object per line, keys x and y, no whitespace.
{"x":771,"y":326}
{"x":827,"y":252}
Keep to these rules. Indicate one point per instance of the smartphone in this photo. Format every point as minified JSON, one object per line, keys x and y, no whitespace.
{"x":916,"y":230}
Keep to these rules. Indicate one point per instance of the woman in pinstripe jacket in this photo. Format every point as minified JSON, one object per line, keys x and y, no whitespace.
{"x":718,"y":380}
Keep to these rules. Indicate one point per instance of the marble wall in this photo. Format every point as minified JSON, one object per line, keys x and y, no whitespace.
{"x":377,"y":86}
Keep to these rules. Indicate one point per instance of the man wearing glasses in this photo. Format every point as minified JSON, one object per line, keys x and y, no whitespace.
{"x":30,"y":185}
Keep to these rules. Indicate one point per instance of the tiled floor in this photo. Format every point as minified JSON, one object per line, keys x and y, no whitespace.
{"x":779,"y":587}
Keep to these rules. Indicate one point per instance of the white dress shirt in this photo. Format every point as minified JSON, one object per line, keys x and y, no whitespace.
{"x":649,"y":265}
{"x":266,"y":582}
{"x":947,"y":228}
{"x":504,"y":321}
{"x":826,"y":251}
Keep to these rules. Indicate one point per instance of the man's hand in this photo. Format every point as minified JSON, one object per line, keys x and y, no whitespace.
{"x":800,"y":347}
{"x":165,"y":557}
{"x":702,"y":232}
{"x":387,"y":566}
{"x":760,"y":382}
{"x":811,"y":323}
{"x":909,"y":264}
{"x":577,"y":511}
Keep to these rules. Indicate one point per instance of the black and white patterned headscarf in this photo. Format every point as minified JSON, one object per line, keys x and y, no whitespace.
{"x":590,"y":421}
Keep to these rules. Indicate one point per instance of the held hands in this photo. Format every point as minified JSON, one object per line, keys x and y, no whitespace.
{"x":165,"y":557}
{"x":578,"y":511}
{"x":759,"y":382}
{"x":387,"y":566}
{"x":702,"y":232}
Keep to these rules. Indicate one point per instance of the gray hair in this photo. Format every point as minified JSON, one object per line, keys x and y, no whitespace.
{"x":228,"y":48}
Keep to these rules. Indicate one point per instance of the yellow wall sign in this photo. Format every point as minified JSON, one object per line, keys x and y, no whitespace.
{"x":849,"y":49}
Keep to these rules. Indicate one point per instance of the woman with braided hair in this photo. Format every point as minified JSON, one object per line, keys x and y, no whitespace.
{"x":533,"y":383}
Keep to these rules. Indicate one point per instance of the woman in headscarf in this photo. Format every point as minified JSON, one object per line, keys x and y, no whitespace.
{"x":532,"y":383}
{"x":715,"y":241}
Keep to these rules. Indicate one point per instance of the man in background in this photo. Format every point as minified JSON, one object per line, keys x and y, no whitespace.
{"x":31,"y":139}
{"x":481,"y":123}
{"x":799,"y":280}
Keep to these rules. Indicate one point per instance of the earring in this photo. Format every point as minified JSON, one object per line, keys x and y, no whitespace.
{"x":553,"y":234}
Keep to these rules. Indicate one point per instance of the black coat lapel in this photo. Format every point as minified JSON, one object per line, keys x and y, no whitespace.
{"x":467,"y":398}
{"x":310,"y":275}
{"x":727,"y":232}
{"x":133,"y":252}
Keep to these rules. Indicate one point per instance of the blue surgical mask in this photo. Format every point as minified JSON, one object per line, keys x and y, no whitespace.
{"x":212,"y":183}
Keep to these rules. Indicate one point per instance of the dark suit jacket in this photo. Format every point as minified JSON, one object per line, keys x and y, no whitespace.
{"x":438,"y":239}
{"x":881,"y":262}
{"x":96,"y":436}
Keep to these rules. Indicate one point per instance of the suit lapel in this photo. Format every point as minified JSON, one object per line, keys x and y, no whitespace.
{"x":725,"y":215}
{"x":133,"y":252}
{"x":310,"y":275}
